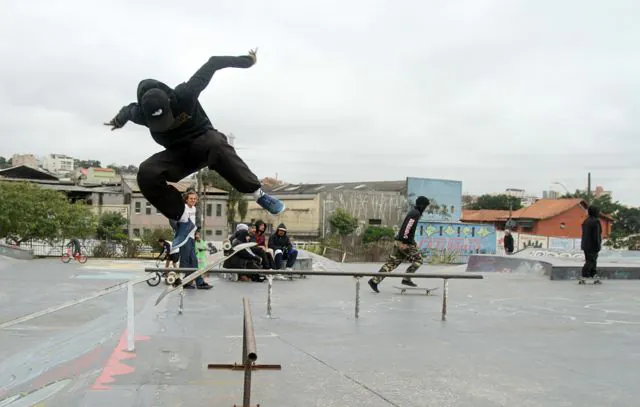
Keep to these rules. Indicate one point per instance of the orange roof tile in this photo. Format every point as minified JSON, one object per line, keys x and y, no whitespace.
{"x":547,"y":208}
{"x":484,"y":215}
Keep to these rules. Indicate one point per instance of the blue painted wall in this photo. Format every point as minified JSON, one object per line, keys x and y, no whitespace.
{"x":445,"y":197}
{"x":462,"y":238}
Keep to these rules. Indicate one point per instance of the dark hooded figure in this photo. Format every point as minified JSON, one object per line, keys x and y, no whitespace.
{"x":591,"y":241}
{"x":178,"y":122}
{"x":405,"y":247}
{"x":283,"y":249}
{"x":245,"y":259}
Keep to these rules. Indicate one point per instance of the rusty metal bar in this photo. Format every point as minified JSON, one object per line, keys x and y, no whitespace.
{"x":249,"y":355}
{"x":252,"y":352}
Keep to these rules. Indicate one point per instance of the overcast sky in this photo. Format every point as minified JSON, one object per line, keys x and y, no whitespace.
{"x":498,"y":94}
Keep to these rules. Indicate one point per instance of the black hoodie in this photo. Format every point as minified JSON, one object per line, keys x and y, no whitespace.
{"x":280,"y":242}
{"x":190,"y":118}
{"x":592,"y":231}
{"x":407,"y":231}
{"x":240,"y":238}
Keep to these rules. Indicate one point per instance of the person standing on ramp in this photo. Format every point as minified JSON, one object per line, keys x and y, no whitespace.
{"x":591,"y":242}
{"x":405,"y":246}
{"x":177,"y":121}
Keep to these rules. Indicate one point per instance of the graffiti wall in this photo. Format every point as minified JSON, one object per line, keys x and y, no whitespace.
{"x":461,"y":239}
{"x":445,"y":197}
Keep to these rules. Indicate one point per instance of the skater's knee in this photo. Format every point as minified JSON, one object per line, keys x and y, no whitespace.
{"x":147,"y":173}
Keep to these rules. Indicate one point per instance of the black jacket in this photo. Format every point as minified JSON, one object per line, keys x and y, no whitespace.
{"x":508,"y":243}
{"x":407,"y":231}
{"x":592,"y":232}
{"x":191,"y":119}
{"x":280,"y":242}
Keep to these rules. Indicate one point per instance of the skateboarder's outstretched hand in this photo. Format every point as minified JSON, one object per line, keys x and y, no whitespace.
{"x":252,"y":54}
{"x":114,"y":124}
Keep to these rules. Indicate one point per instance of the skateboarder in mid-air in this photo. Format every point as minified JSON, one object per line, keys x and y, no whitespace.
{"x":178,"y":122}
{"x":405,"y":246}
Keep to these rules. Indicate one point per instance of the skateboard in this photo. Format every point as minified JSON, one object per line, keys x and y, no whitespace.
{"x":217,"y":261}
{"x":404,"y":289}
{"x":582,"y":280}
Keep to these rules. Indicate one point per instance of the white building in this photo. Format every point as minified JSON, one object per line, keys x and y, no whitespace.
{"x":57,"y":163}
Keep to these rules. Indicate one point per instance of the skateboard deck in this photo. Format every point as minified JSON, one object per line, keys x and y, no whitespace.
{"x":589,"y":281}
{"x":404,"y":289}
{"x":217,"y":261}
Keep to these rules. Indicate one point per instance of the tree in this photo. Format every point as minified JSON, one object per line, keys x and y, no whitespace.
{"x":243,"y":208}
{"x":497,"y":202}
{"x":212,"y":178}
{"x":4,"y":163}
{"x":604,"y":202}
{"x":28,"y":211}
{"x":112,"y":226}
{"x":375,"y":233}
{"x":150,"y":237}
{"x":343,"y":223}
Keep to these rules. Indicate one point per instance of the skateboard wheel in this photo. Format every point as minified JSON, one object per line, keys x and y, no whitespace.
{"x":171,"y":278}
{"x":226,"y":245}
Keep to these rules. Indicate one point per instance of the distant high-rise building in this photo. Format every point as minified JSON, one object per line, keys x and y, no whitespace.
{"x":550,"y":194}
{"x":58,"y":163}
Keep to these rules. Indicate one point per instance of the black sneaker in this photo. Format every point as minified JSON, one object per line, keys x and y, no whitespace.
{"x":205,"y":286}
{"x":189,"y":286}
{"x":373,"y":285}
{"x":409,"y":282}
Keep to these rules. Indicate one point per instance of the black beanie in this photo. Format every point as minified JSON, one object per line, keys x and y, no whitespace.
{"x":422,"y":202}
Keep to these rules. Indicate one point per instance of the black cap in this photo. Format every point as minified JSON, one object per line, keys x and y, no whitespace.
{"x":156,"y":108}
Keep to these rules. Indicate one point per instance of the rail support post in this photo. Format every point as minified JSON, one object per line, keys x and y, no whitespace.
{"x":445,"y":292}
{"x":269,"y":293}
{"x":130,"y":318}
{"x":181,"y":301}
{"x":357,"y":297}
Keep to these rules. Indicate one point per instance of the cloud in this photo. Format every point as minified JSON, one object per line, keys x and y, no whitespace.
{"x":496,"y":94}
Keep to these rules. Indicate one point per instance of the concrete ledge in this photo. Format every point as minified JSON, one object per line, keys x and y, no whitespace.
{"x":507,"y":264}
{"x":609,"y":272}
{"x":16,"y":252}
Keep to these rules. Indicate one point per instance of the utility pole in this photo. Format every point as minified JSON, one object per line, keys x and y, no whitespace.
{"x":589,"y":188}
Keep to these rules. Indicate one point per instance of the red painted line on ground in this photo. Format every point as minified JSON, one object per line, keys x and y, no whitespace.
{"x":114,"y":365}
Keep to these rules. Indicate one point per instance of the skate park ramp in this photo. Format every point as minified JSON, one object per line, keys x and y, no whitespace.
{"x":508,"y":264}
{"x":508,"y":341}
{"x":567,"y":265}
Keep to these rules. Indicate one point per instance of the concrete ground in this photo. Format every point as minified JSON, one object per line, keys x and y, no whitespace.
{"x":510,"y":340}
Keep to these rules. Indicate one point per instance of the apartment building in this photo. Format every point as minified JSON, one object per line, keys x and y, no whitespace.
{"x":142,"y":215}
{"x":58,"y":163}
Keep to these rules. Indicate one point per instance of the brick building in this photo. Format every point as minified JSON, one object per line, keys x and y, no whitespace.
{"x":546,"y":217}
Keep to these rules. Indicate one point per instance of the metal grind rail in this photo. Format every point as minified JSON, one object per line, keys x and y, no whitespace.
{"x":357,"y":275}
{"x":249,"y":356}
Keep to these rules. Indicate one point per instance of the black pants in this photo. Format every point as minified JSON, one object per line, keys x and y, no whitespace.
{"x":589,"y":269}
{"x":211,"y":150}
{"x":267,"y":260}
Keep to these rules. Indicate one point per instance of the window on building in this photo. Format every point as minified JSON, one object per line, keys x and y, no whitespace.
{"x":219,"y":210}
{"x":148,"y":208}
{"x":209,"y":209}
{"x":218,"y":232}
{"x":375,"y":221}
{"x":209,"y":232}
{"x":138,"y":206}
{"x":136,"y":232}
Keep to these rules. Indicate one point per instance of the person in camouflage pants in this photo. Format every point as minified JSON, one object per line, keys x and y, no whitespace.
{"x":405,"y":247}
{"x":401,"y":252}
